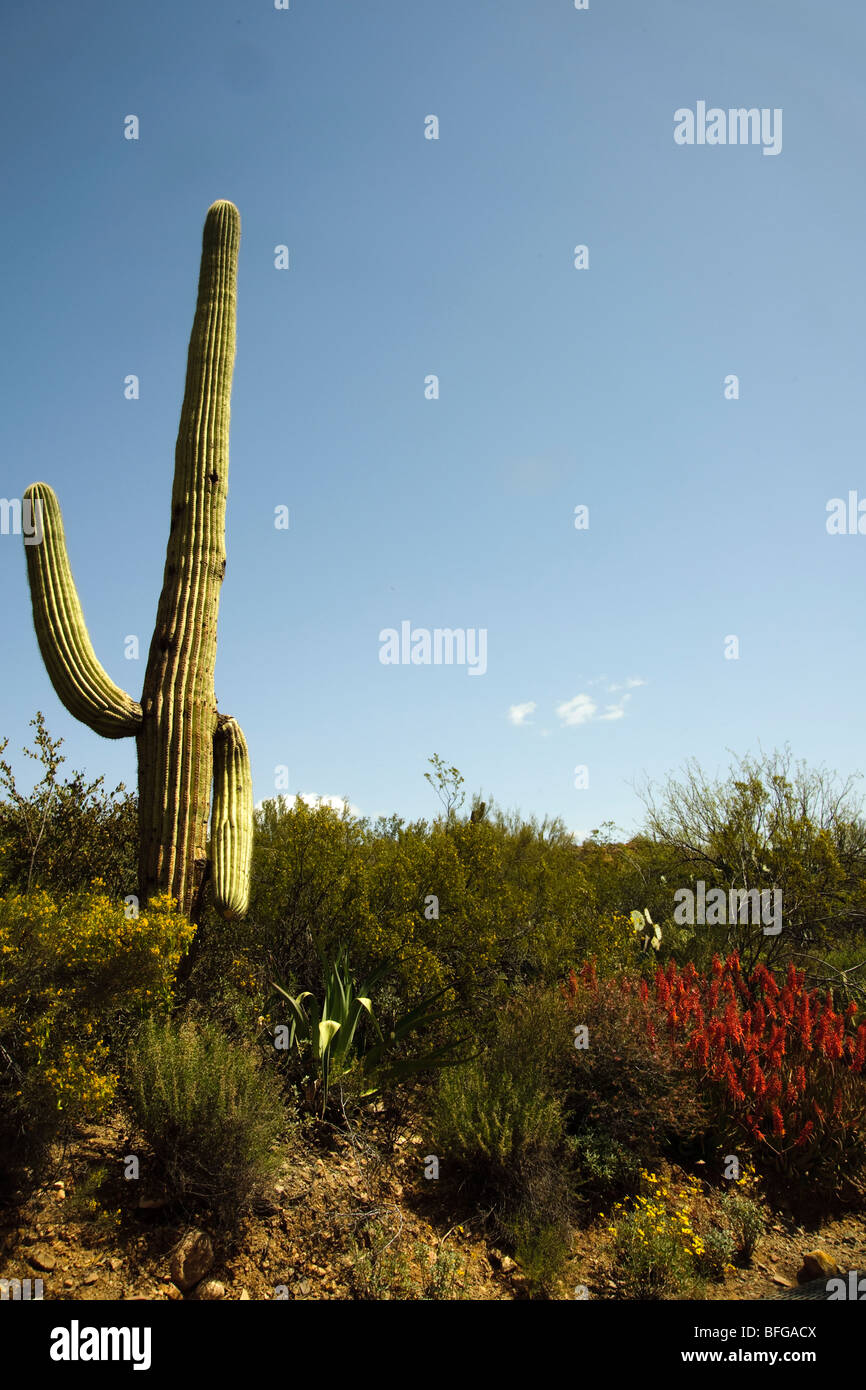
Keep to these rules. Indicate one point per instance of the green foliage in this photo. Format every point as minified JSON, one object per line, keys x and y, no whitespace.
{"x":601,"y":1163}
{"x":498,"y":1124}
{"x":446,"y":782}
{"x":65,"y":833}
{"x":75,"y":974}
{"x":773,"y":824}
{"x":211,"y":1112}
{"x":715,"y":1258}
{"x":657,"y":1253}
{"x":624,"y":1093}
{"x":482,"y":905}
{"x":541,"y":1251}
{"x":746,"y":1221}
{"x":328,"y":1033}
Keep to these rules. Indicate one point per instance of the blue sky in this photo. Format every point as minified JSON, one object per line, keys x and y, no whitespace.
{"x":558,"y":387}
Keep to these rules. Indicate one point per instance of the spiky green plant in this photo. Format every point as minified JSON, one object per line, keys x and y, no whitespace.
{"x":185,"y":747}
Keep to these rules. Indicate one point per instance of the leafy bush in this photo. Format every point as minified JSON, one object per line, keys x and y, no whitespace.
{"x":745,"y":1220}
{"x":656,"y":1249}
{"x":714,"y":1261}
{"x":625,"y":1095}
{"x":76,"y":973}
{"x":602,"y":1164}
{"x":65,"y":833}
{"x":499,"y":1125}
{"x":210,"y":1111}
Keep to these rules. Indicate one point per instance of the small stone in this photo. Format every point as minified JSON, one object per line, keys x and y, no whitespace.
{"x":69,"y":1283}
{"x":211,"y":1289}
{"x":783,"y":1283}
{"x":42,"y":1259}
{"x":90,"y":1279}
{"x":192,"y":1260}
{"x":507,"y":1264}
{"x":114,"y":1264}
{"x":817,"y":1264}
{"x":244,"y":1296}
{"x":173,"y":1292}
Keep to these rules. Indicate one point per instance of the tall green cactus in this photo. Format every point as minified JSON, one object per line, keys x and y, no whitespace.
{"x":185,"y":747}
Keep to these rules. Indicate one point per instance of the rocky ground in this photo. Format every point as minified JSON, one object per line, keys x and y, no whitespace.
{"x":352,"y":1216}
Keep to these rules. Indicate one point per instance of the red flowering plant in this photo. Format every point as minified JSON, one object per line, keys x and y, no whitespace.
{"x":781,"y":1061}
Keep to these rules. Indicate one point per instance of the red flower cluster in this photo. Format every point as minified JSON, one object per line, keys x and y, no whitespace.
{"x":781,"y":1061}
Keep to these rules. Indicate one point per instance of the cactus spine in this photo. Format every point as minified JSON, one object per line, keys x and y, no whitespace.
{"x":184,"y":746}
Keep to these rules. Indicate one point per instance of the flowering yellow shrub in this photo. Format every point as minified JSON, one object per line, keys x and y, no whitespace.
{"x":656,"y":1245}
{"x":74,"y":973}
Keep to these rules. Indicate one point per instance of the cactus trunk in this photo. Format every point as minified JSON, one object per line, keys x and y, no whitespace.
{"x":179,"y":712}
{"x":176,"y":726}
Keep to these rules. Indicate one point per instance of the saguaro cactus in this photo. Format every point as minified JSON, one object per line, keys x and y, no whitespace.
{"x":184,"y":746}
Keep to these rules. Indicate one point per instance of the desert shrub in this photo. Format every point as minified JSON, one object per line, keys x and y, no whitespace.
{"x":498,"y":1123}
{"x":780,"y":1064}
{"x":601,"y":1163}
{"x":743,"y":1215}
{"x":626,"y":1099}
{"x":76,"y":973}
{"x":484,"y":904}
{"x":656,"y":1248}
{"x":714,"y":1261}
{"x":541,"y":1251}
{"x":211,"y":1112}
{"x":66,"y":832}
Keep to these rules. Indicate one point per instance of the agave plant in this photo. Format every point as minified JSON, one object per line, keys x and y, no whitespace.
{"x":329,"y":1032}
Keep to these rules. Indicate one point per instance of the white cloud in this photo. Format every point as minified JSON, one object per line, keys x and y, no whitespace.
{"x":583,"y":709}
{"x":577,"y":711}
{"x":519,"y":714}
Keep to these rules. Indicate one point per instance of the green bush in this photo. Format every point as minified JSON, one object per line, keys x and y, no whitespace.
{"x":746,"y":1221}
{"x":66,"y":833}
{"x":498,"y":1125}
{"x":210,"y":1111}
{"x":77,"y":974}
{"x":622,"y":1091}
{"x":715,"y":1258}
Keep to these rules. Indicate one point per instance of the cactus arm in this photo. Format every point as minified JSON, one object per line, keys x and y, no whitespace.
{"x":175,"y":742}
{"x":231,"y":820}
{"x":79,"y":680}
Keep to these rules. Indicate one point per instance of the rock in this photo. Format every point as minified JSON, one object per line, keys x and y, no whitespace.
{"x":210,"y":1289}
{"x":244,"y":1296}
{"x":783,"y":1283}
{"x":115,"y":1264}
{"x":42,"y":1259}
{"x":173,"y":1292}
{"x":90,"y":1279}
{"x":817,"y":1264}
{"x":507,"y":1265}
{"x":192,"y":1260}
